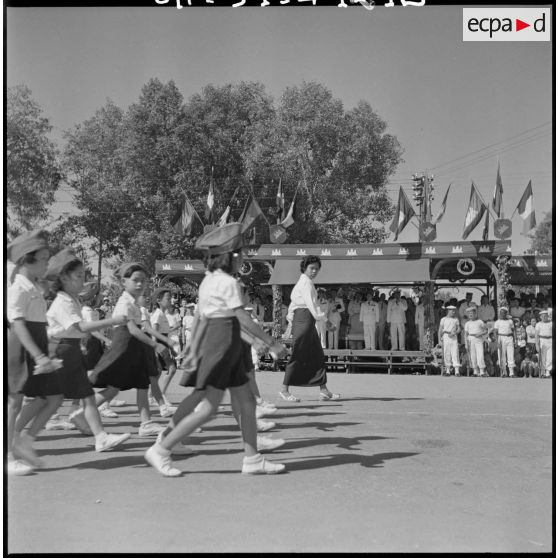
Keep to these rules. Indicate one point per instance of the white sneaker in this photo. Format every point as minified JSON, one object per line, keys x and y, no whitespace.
{"x":264,"y":411}
{"x":110,"y":441}
{"x":166,"y":410}
{"x":18,"y":468}
{"x":77,"y":418}
{"x":23,"y":448}
{"x":265,"y":425}
{"x":264,"y":403}
{"x":59,"y":424}
{"x":261,"y":467}
{"x":162,"y":463}
{"x":178,"y":449}
{"x":149,"y":428}
{"x":106,"y":411}
{"x":266,"y":443}
{"x":117,"y":403}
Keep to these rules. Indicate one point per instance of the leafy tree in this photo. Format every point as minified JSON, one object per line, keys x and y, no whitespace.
{"x":33,"y":172}
{"x":541,"y":239}
{"x":93,"y":158}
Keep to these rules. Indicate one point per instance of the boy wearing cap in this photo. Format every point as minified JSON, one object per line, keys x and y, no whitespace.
{"x":543,"y":341}
{"x":475,"y":333}
{"x":447,"y":332}
{"x":504,"y":330}
{"x":30,"y":371}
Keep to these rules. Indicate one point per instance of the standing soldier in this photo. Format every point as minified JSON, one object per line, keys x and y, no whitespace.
{"x":475,"y":333}
{"x":449,"y":328}
{"x":543,"y":341}
{"x":504,"y":329}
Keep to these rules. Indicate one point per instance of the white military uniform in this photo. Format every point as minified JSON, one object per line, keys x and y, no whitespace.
{"x":419,"y":322}
{"x":505,"y":345}
{"x":369,"y":315}
{"x":544,"y":331}
{"x":396,"y":318}
{"x":475,"y":331}
{"x":449,"y":327}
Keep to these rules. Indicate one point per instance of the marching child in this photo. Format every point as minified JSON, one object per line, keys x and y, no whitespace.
{"x":220,"y":357}
{"x":30,"y":371}
{"x":543,"y":335}
{"x":156,"y":360}
{"x":475,"y":333}
{"x":126,"y":365}
{"x":447,"y":332}
{"x":66,"y":328}
{"x":159,"y":323}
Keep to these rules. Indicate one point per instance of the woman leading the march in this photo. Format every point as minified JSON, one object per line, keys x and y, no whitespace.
{"x":306,"y":366}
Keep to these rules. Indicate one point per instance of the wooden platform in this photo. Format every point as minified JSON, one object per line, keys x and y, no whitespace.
{"x":351,"y":360}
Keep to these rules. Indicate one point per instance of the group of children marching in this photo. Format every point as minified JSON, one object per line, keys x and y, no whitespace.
{"x":46,"y":363}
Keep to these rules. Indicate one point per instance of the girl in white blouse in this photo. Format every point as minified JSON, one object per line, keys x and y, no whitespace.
{"x":306,"y":366}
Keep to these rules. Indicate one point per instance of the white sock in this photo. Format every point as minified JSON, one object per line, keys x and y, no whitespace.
{"x":160,"y":449}
{"x":253,"y":458}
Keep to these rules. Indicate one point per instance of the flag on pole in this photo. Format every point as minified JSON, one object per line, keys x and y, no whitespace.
{"x":280,"y":203}
{"x":183,"y":221}
{"x":497,"y":201}
{"x":289,"y":219}
{"x":438,"y":217}
{"x":209,"y":209}
{"x":475,"y":212}
{"x":223,"y":219}
{"x":403,"y":214}
{"x":526,"y":210}
{"x":485,"y":228}
{"x":251,"y":212}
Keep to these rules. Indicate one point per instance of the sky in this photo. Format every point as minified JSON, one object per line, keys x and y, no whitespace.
{"x":457,"y":108}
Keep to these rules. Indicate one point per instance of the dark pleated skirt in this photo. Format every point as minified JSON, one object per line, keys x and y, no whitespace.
{"x":94,"y":350}
{"x":126,"y":365}
{"x":222,"y":356}
{"x":40,"y":385}
{"x":72,"y":377}
{"x":306,"y":366}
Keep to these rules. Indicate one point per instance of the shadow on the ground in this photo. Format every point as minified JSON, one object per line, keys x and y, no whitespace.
{"x":368,"y":461}
{"x":323,"y":426}
{"x":290,"y":415}
{"x":347,"y":444}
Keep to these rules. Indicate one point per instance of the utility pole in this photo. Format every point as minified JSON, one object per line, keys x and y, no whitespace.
{"x":422,"y":188}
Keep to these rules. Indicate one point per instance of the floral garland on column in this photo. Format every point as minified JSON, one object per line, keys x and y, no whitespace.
{"x":503,"y":279}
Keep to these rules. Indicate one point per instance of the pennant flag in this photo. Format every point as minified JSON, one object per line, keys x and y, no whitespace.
{"x":403,"y":214}
{"x":475,"y":212}
{"x":526,"y":210}
{"x":280,"y":203}
{"x":223,"y":219}
{"x":497,"y":201}
{"x":289,"y":219}
{"x":209,"y":211}
{"x":485,"y":228}
{"x":251,"y":212}
{"x":183,"y":221}
{"x":438,"y":217}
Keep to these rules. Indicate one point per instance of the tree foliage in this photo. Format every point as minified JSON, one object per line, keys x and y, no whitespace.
{"x":33,"y":172}
{"x":541,"y":239}
{"x":132,"y":168}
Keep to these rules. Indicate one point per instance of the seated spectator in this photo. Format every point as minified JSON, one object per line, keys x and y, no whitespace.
{"x":516,"y":311}
{"x":486,"y":311}
{"x":529,"y":365}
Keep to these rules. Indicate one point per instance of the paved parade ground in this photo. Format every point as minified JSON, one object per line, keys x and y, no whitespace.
{"x":403,"y":463}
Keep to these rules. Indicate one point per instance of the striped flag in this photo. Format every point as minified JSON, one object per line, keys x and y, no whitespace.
{"x":223,"y":219}
{"x":183,"y":221}
{"x":497,"y":201}
{"x":210,"y":204}
{"x":475,"y":212}
{"x":526,"y":210}
{"x":403,"y":214}
{"x":438,"y":217}
{"x":289,"y":219}
{"x":485,"y":228}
